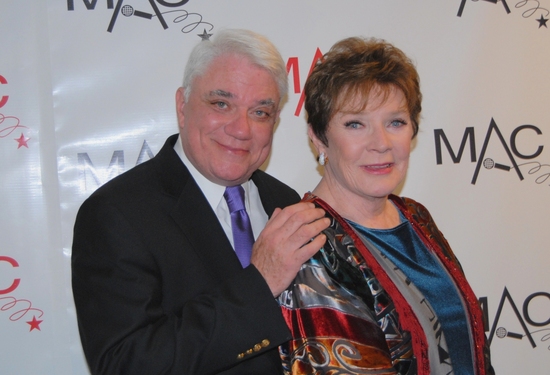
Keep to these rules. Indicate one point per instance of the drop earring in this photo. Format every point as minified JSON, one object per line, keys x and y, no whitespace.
{"x":322,"y":158}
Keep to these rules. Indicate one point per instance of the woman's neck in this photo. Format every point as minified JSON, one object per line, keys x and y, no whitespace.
{"x":370,"y":212}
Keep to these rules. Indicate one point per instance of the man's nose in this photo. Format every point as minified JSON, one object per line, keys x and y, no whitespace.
{"x":240,"y":126}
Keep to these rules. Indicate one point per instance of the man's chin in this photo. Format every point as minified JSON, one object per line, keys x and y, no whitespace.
{"x":230,"y":177}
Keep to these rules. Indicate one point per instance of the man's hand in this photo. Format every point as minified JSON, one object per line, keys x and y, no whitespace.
{"x":290,"y":238}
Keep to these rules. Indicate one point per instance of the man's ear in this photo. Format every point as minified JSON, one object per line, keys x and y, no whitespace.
{"x":180,"y":103}
{"x":319,"y":146}
{"x":277,"y":117}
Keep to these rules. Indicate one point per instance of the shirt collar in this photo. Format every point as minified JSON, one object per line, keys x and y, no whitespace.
{"x":213,"y":192}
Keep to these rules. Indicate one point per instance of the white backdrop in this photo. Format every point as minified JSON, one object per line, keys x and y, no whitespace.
{"x":87,"y":91}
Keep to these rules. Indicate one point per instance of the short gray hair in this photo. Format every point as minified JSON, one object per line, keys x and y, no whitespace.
{"x":257,"y":48}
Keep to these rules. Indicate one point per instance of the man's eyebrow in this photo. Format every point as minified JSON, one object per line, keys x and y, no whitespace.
{"x":268,"y":102}
{"x":222,"y":93}
{"x":227,"y":94}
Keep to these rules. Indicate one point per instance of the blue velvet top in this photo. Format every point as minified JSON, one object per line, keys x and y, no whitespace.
{"x":406,"y":250}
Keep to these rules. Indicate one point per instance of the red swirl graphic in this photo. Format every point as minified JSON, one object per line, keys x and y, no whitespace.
{"x":7,"y":130}
{"x":24,"y":306}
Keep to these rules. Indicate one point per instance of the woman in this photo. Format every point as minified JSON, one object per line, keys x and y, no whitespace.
{"x":385,"y":295}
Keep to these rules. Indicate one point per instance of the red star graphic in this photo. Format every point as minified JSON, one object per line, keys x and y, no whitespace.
{"x":22,"y":141}
{"x":34,"y":323}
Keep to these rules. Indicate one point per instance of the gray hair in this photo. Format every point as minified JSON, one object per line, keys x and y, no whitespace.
{"x":257,"y":48}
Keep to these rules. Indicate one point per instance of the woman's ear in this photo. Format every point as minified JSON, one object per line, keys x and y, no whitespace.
{"x":319,"y":146}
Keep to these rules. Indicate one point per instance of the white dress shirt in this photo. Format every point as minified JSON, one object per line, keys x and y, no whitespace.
{"x":214,"y":195}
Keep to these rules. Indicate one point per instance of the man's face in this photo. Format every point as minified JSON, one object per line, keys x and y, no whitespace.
{"x":226,"y":125}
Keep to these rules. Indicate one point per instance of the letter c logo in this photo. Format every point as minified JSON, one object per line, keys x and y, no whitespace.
{"x":526,"y":309}
{"x":16,"y":282}
{"x":3,"y":99}
{"x":513,"y":144}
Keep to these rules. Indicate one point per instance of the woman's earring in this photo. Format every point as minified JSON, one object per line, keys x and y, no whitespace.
{"x":322,"y":158}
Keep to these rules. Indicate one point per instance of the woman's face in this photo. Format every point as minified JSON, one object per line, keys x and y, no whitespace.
{"x":368,"y":151}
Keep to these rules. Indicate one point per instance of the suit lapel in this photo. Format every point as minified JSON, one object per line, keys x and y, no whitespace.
{"x":201,"y":227}
{"x":273,"y":193}
{"x":267,"y":195}
{"x":194,"y":216}
{"x":197,"y":220}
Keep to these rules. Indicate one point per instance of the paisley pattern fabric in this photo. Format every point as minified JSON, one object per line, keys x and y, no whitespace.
{"x":347,"y":316}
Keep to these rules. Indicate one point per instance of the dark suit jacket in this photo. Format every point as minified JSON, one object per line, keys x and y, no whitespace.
{"x":157,"y":286}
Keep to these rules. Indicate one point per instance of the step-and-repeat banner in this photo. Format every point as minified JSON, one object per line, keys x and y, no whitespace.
{"x":87,"y":92}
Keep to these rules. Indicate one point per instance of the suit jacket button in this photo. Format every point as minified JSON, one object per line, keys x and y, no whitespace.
{"x":240,"y":356}
{"x":257,"y":347}
{"x":265,"y":343}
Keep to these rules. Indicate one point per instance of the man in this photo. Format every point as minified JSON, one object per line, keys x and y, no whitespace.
{"x":157,"y":285}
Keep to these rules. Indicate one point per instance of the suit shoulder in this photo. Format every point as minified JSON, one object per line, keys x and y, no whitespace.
{"x":272,"y":187}
{"x":269,"y":179}
{"x":164,"y":166}
{"x":131,"y":180}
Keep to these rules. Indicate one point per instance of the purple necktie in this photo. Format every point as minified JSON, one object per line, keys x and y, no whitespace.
{"x":243,"y":239}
